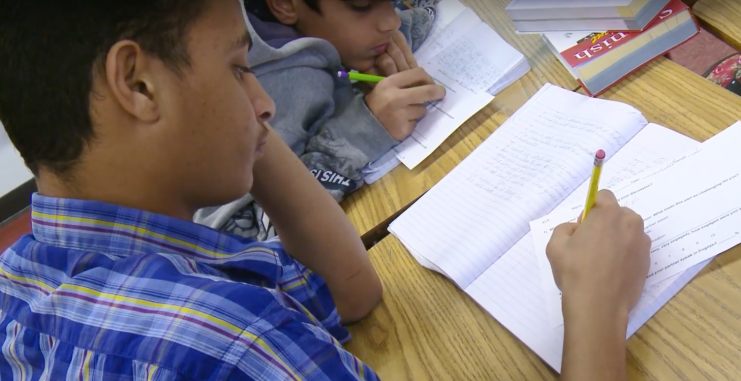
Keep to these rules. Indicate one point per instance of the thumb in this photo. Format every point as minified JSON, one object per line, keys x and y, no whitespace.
{"x":410,"y":78}
{"x":372,"y":71}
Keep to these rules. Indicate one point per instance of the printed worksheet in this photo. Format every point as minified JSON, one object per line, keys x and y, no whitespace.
{"x":691,"y":209}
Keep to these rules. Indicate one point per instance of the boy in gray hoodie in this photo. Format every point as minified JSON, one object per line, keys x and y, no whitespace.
{"x":334,"y":127}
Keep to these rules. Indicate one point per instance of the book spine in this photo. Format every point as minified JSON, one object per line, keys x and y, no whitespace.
{"x":602,"y":91}
{"x":595,"y":45}
{"x":598,"y":44}
{"x":673,"y":8}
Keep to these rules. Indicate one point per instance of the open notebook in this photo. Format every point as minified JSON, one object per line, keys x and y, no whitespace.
{"x":480,"y":212}
{"x":474,"y":63}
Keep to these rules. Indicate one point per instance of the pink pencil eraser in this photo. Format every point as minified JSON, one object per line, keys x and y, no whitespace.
{"x":600,"y":154}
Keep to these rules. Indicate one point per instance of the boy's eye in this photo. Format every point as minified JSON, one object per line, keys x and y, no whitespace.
{"x":360,"y":5}
{"x":241,"y":71}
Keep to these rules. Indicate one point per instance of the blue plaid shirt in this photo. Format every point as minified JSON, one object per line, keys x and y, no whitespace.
{"x":102,"y":292}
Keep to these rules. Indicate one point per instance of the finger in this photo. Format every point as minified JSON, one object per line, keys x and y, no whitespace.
{"x":405,"y":130}
{"x":398,"y":56}
{"x":401,"y":43}
{"x":647,"y":246}
{"x":416,"y":112}
{"x":386,"y":65}
{"x":561,"y":235}
{"x":605,"y":198}
{"x":633,"y":218}
{"x":422,"y":94}
{"x":564,"y":230}
{"x":410,"y":78}
{"x":372,"y":71}
{"x":367,"y":87}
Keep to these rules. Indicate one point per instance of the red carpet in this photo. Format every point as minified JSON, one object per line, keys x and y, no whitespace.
{"x":700,"y":53}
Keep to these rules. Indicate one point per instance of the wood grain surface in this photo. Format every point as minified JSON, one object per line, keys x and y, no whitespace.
{"x":674,"y":97}
{"x":721,"y":18}
{"x":427,"y":329}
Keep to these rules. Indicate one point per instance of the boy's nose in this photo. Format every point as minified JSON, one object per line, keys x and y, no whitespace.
{"x":262,"y":103}
{"x":265,"y":109}
{"x":389,"y":20}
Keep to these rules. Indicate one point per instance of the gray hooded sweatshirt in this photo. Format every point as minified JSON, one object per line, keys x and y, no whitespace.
{"x":323,"y":118}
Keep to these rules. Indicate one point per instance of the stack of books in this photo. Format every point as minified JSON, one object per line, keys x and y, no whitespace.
{"x":602,"y":41}
{"x":537,"y":16}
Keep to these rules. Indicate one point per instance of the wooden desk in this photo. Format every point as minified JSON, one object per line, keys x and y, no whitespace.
{"x":721,"y":18}
{"x":674,"y":97}
{"x":427,"y":329}
{"x":373,"y":204}
{"x":12,"y":229}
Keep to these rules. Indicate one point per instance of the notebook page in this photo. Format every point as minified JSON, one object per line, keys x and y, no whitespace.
{"x":467,"y":68}
{"x":510,"y":291}
{"x":443,"y":35}
{"x":691,"y":208}
{"x":452,"y":21}
{"x":652,"y":148}
{"x":655,"y":146}
{"x":526,"y":168}
{"x":690,"y":212}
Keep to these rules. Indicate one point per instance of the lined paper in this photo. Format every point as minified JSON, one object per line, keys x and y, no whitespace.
{"x":690,"y":207}
{"x":447,"y":31}
{"x":467,"y":67}
{"x":448,"y":11}
{"x":652,"y":148}
{"x":510,"y":291}
{"x":469,"y":59}
{"x":526,"y":168}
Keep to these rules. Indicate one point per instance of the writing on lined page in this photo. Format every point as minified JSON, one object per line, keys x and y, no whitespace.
{"x":440,"y":38}
{"x":469,"y":59}
{"x":653,"y":148}
{"x":690,"y":213}
{"x":650,"y":149}
{"x":526,"y":168}
{"x":510,"y":291}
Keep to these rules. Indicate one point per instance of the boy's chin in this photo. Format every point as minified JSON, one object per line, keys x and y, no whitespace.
{"x":362,"y":65}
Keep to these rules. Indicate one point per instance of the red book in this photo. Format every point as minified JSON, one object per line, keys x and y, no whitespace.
{"x":600,"y":59}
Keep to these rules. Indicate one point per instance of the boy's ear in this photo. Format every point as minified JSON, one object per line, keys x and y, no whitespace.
{"x":285,"y":11}
{"x":130,"y":80}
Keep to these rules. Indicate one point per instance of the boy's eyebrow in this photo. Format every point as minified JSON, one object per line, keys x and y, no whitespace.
{"x":242,"y":41}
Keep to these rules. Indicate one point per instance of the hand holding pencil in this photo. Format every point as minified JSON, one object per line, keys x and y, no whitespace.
{"x":601,"y":266}
{"x":398,"y":101}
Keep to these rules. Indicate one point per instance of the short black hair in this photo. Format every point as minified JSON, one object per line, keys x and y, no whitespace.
{"x":49,"y":52}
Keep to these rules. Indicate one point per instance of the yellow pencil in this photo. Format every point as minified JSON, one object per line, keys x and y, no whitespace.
{"x":599,"y":158}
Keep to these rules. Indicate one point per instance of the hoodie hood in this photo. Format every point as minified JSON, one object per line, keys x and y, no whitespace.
{"x":273,"y":42}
